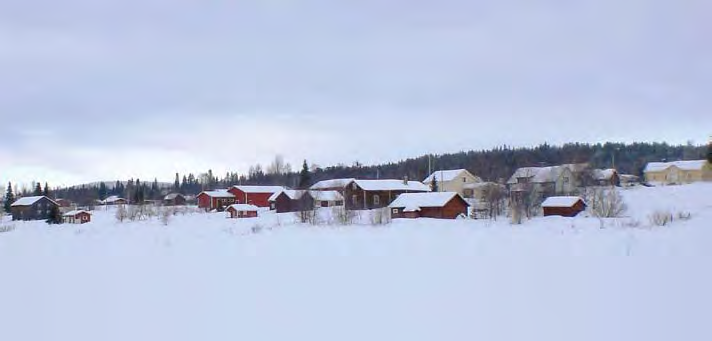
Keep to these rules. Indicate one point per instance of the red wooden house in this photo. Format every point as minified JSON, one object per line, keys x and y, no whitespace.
{"x":242,"y":211}
{"x":76,"y":217}
{"x":441,"y":205}
{"x":215,"y":200}
{"x":254,"y":195}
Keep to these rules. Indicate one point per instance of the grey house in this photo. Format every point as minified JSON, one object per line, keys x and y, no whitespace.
{"x":32,"y":208}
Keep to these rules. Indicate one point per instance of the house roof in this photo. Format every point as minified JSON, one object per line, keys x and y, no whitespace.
{"x":540,"y":174}
{"x":221,"y":193}
{"x":75,"y":212}
{"x":317,"y":195}
{"x":445,"y":175}
{"x":392,"y":185}
{"x":29,"y":201}
{"x":291,"y":194}
{"x":113,"y":198}
{"x":173,"y":196}
{"x":603,"y":174}
{"x":415,"y":201}
{"x":333,"y":183}
{"x":684,"y":165}
{"x":243,"y":207}
{"x":561,"y":201}
{"x":326,"y":195}
{"x":260,"y":189}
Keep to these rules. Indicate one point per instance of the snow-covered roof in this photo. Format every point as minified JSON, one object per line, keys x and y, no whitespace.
{"x":113,"y":198}
{"x":445,"y":175}
{"x":243,"y":207}
{"x":221,"y":193}
{"x":291,"y":194}
{"x":260,"y":189}
{"x":326,"y":195}
{"x":561,"y":201}
{"x":603,"y":174}
{"x":317,"y":195}
{"x":333,"y":183}
{"x":683,"y":165}
{"x":173,"y":196}
{"x":392,"y":185}
{"x":629,"y":177}
{"x":29,"y":201}
{"x":539,"y":174}
{"x":415,"y":201}
{"x":74,"y":213}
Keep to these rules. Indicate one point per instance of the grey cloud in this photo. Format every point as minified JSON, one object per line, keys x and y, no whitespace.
{"x":115,"y":64}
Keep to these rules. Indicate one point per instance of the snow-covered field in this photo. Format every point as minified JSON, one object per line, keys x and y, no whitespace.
{"x":204,"y":277}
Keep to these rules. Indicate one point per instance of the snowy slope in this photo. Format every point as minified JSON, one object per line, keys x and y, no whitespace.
{"x":204,"y":277}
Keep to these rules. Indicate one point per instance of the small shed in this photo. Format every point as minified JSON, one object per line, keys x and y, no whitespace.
{"x":242,"y":211}
{"x":174,"y":199}
{"x":563,"y":206}
{"x":441,"y":205}
{"x":76,"y":217}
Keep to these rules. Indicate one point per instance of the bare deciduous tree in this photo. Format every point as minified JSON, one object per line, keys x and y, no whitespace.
{"x":494,"y":196}
{"x":121,"y":213}
{"x":605,"y":202}
{"x":279,"y":166}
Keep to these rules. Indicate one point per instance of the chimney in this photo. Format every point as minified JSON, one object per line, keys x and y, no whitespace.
{"x":405,"y":180}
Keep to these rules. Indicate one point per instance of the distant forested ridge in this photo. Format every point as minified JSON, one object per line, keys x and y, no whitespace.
{"x":496,"y":164}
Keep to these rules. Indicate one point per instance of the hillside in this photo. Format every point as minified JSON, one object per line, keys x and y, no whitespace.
{"x":204,"y":277}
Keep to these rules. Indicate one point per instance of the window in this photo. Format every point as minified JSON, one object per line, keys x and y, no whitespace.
{"x":376,"y":200}
{"x":354,"y":199}
{"x":395,"y":211}
{"x":464,"y":179}
{"x":566,"y":179}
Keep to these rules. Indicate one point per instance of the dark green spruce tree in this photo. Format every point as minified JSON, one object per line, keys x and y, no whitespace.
{"x":38,"y":190}
{"x":103,"y":191}
{"x":45,"y":191}
{"x":176,"y":184}
{"x":9,"y":198}
{"x":434,"y":185}
{"x":304,"y":176}
{"x":55,"y":216}
{"x":709,"y":152}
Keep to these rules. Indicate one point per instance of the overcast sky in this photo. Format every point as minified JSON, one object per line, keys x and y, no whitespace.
{"x":100,"y":90}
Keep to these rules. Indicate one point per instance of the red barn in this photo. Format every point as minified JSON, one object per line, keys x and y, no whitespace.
{"x":242,"y":211}
{"x":254,"y":195}
{"x":563,"y":206}
{"x":211,"y":200}
{"x":441,"y":205}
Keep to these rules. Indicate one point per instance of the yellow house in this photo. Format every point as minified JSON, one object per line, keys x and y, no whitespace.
{"x":456,"y":180}
{"x":678,"y":172}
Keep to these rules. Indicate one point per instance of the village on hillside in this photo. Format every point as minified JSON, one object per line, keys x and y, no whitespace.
{"x":564,"y":190}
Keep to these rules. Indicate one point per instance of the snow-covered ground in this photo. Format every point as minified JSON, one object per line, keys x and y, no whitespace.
{"x":204,"y":277}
